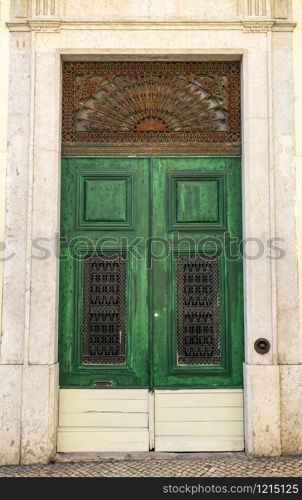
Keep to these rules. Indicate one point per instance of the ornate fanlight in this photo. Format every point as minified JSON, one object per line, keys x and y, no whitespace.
{"x":151,"y":107}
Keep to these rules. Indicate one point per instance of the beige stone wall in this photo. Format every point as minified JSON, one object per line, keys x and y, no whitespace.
{"x":297,"y":14}
{"x":4,"y":58}
{"x":40,"y":32}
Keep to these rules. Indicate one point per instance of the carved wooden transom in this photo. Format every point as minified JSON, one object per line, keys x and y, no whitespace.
{"x":151,"y":107}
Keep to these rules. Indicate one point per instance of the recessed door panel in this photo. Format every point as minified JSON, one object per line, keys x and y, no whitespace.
{"x":196,"y":200}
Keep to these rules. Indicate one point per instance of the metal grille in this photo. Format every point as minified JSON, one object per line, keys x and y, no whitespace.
{"x":198,"y":310}
{"x":151,"y":107}
{"x":104,"y":310}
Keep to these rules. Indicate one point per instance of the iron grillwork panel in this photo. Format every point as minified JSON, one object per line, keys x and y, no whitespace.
{"x":104,"y":310}
{"x":151,"y":107}
{"x":198,"y":311}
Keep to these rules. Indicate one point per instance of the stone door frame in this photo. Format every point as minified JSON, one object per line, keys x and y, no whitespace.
{"x":28,"y":357}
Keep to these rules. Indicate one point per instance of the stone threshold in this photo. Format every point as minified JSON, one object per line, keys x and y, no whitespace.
{"x":148,"y":455}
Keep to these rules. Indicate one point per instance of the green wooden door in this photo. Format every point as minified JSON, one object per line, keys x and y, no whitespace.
{"x":162,"y":308}
{"x":104,"y":314}
{"x":197,"y":287}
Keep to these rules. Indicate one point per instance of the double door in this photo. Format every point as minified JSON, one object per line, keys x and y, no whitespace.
{"x":151,"y":278}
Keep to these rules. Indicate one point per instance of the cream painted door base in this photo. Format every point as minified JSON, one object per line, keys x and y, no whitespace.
{"x":199,"y":420}
{"x":96,"y":420}
{"x":128,"y":420}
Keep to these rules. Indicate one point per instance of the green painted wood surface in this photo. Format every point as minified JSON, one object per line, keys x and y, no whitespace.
{"x":106,"y":230}
{"x":197,"y":201}
{"x":117,"y":204}
{"x":169,"y":171}
{"x":105,"y":200}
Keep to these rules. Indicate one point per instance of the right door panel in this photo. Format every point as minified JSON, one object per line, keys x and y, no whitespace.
{"x":197,"y":273}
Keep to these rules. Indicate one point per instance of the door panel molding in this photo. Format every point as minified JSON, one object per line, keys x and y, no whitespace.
{"x":216,"y":180}
{"x":120,"y":215}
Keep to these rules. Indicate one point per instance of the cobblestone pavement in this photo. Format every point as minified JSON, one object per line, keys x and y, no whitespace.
{"x":196,"y":466}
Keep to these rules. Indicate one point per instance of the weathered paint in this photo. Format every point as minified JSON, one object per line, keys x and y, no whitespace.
{"x":126,"y":419}
{"x":108,"y":230}
{"x":195,"y":197}
{"x":166,"y":174}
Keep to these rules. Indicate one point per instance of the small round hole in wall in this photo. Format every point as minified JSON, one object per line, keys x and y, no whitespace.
{"x":262,"y":346}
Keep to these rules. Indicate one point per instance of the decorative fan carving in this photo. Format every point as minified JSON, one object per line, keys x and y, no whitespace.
{"x":151,"y":107}
{"x":152,"y":103}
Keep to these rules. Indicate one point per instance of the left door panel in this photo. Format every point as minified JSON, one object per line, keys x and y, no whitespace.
{"x":103,"y":273}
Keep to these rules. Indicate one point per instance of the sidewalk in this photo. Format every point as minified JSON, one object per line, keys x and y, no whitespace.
{"x":160,"y":465}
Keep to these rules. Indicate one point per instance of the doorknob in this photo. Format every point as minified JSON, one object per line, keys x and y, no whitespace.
{"x":155,"y":315}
